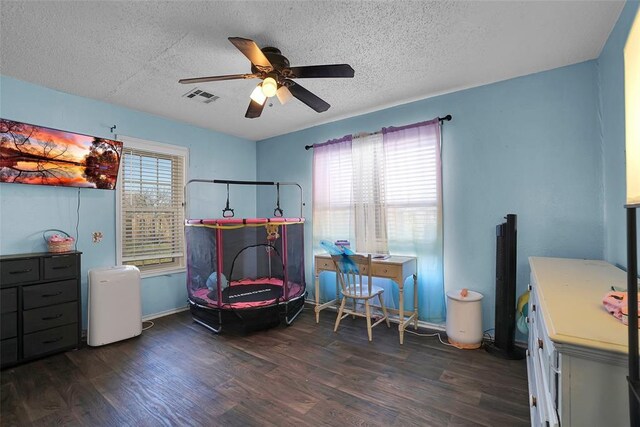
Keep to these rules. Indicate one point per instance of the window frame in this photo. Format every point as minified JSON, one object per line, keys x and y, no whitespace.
{"x":160,"y":148}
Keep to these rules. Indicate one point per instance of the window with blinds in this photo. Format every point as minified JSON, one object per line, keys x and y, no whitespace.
{"x":379,"y":195}
{"x":151,"y":221}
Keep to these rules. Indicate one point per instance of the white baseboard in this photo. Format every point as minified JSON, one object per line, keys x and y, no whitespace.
{"x":392,"y":318}
{"x":165,"y":313}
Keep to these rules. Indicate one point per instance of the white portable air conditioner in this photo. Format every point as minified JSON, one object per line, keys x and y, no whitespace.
{"x":115,"y":310}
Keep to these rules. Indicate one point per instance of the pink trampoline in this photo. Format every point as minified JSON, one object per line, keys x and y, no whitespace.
{"x":245,"y":274}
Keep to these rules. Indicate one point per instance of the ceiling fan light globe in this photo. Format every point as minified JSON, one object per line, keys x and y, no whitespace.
{"x":258,"y":96}
{"x":283,"y":95}
{"x":269,"y":87}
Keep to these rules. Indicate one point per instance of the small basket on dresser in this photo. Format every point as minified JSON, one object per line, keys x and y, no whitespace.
{"x":57,"y":243}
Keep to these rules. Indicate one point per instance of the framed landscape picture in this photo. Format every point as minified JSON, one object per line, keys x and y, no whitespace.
{"x":31,"y":154}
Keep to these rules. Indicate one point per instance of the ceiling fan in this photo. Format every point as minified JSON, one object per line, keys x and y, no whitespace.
{"x":269,"y":65}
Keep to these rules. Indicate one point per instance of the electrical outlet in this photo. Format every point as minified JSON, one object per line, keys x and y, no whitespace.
{"x":97,"y":236}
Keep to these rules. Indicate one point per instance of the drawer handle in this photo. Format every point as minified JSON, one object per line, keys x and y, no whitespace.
{"x":52,"y":341}
{"x":540,"y":343}
{"x":52,"y":295}
{"x":60,"y":267}
{"x":533,"y":307}
{"x":534,"y":401}
{"x":57,"y":316}
{"x":21,"y":271}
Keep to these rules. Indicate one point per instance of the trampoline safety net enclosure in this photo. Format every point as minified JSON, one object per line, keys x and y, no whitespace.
{"x":245,"y":274}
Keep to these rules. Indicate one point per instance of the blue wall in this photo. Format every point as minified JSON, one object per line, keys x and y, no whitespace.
{"x":529,"y":146}
{"x":27,"y":210}
{"x":611,"y":83}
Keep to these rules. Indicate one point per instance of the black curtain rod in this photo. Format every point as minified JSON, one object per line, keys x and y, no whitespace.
{"x":446,"y":118}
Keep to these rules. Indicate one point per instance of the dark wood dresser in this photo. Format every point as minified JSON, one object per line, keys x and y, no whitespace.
{"x":40,"y":300}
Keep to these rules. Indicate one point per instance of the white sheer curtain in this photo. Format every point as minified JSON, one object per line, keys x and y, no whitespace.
{"x":333,"y":215}
{"x":369,"y":195}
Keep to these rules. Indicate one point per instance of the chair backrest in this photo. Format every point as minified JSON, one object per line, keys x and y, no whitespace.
{"x":353,"y":271}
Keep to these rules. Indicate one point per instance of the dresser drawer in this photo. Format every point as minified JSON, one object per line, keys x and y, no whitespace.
{"x":19,"y":271}
{"x":49,"y":317}
{"x":9,"y":326}
{"x":8,"y":351}
{"x":49,"y":294}
{"x":60,"y":267}
{"x":50,"y":340}
{"x":8,"y":300}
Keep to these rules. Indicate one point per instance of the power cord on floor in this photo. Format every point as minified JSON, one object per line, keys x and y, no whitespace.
{"x":77,"y":220}
{"x":430,"y":335}
{"x":144,"y":328}
{"x":486,"y":337}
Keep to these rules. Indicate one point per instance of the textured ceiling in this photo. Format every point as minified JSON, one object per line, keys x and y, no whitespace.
{"x":133,"y":53}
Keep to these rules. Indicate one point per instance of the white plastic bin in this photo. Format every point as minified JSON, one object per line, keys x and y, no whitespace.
{"x":464,"y":318}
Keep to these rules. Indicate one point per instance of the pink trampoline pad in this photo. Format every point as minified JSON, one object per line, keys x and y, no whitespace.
{"x":295,"y":289}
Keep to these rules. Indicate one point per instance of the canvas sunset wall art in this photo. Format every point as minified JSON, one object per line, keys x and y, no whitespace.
{"x":32,"y":154}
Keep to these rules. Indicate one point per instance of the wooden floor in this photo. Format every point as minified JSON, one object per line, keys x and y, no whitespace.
{"x":178,"y":373}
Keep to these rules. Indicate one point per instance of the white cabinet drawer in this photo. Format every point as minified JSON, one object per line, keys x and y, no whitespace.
{"x":550,"y":414}
{"x":533,"y":392}
{"x":546,"y":411}
{"x":542,"y":361}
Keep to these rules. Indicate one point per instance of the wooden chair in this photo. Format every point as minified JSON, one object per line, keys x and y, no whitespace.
{"x":352,"y":276}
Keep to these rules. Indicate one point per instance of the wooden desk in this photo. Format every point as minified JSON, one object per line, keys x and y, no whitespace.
{"x":396,"y":268}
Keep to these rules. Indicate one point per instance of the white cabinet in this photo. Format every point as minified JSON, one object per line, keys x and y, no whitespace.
{"x":577,"y":352}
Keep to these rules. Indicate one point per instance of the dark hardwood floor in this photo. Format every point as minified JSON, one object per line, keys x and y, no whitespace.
{"x":178,"y":373}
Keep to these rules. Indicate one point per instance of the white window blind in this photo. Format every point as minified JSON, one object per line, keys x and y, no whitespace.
{"x":369,"y":194}
{"x":151,"y":212}
{"x":412,"y":182}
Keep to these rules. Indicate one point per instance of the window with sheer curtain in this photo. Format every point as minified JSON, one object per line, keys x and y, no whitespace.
{"x":382,"y":192}
{"x":150,"y":196}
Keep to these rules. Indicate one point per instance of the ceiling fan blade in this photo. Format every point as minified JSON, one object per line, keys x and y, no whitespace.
{"x":319,"y":71}
{"x":219,"y":78}
{"x":251,"y":50}
{"x":254,"y":110}
{"x":307,"y":97}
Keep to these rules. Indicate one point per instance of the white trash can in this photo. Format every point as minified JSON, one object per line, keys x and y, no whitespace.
{"x":464,"y":318}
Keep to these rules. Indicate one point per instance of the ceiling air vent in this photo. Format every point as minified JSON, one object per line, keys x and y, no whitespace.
{"x":201,"y":96}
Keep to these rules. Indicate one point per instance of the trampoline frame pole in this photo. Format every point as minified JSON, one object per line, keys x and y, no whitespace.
{"x":285,"y":261}
{"x":219,"y":264}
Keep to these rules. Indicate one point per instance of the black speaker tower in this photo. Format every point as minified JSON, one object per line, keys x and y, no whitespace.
{"x":506,"y":262}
